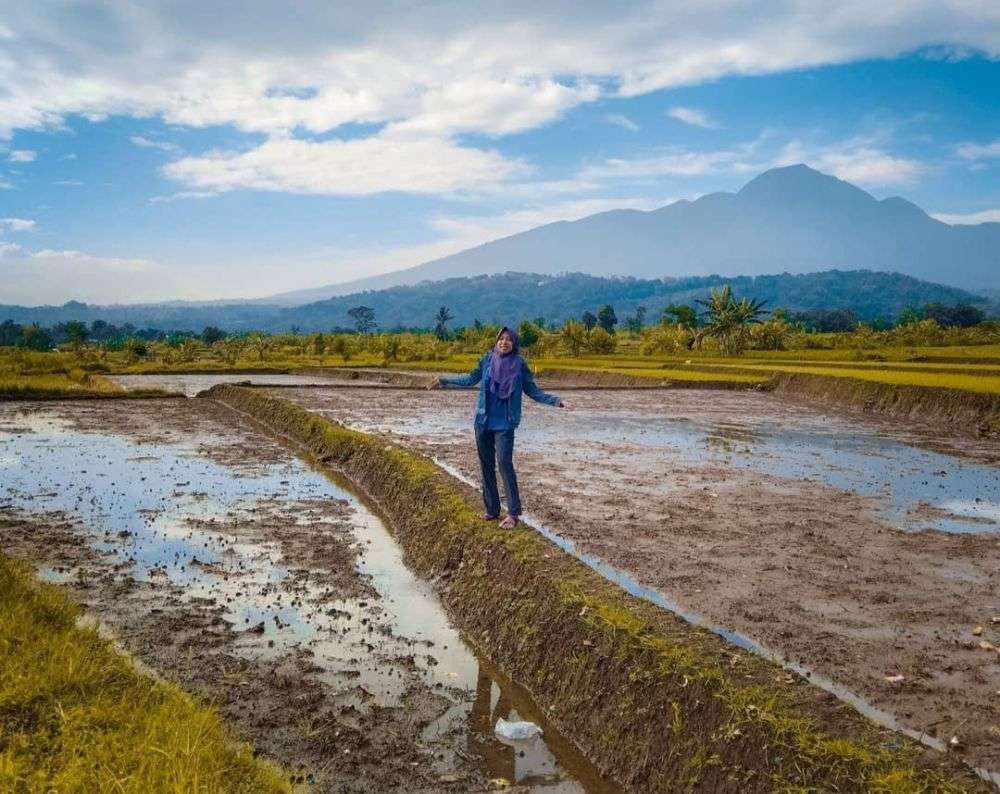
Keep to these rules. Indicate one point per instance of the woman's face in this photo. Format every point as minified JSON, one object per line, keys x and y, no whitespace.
{"x":505,"y":344}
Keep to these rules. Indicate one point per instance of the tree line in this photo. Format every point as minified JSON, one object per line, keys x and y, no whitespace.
{"x":724,"y":321}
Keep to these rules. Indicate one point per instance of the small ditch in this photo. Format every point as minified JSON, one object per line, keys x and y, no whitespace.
{"x":265,"y":569}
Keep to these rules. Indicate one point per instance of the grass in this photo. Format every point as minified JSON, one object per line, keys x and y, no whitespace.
{"x":982,"y":384}
{"x":970,"y":368}
{"x":964,"y":377}
{"x":28,"y":375}
{"x":75,"y":715}
{"x":659,"y":373}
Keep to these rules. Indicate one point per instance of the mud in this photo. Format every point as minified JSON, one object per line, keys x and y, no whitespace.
{"x":838,"y":543}
{"x":223,"y":563}
{"x":190,"y":383}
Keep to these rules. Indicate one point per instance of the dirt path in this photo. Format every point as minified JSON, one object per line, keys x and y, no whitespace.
{"x":838,"y":545}
{"x":224,"y":564}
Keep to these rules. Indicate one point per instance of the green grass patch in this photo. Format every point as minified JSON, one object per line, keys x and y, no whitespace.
{"x":657,"y":373}
{"x":980,"y":384}
{"x":75,"y":715}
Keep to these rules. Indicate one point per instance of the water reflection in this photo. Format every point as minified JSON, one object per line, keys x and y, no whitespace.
{"x":731,"y":438}
{"x":165,"y":513}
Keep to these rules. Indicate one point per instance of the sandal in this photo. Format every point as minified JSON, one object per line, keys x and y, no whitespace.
{"x":490,"y":518}
{"x":510,"y":522}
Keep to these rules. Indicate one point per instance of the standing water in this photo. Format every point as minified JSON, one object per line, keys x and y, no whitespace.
{"x":169,"y":515}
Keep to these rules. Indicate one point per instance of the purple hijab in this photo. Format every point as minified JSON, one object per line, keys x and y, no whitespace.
{"x":505,"y":369}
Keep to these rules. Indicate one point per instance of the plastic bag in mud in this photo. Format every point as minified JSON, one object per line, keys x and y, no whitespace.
{"x":516,"y":731}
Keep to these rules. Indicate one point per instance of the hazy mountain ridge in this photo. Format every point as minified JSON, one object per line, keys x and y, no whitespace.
{"x":791,"y":219}
{"x":512,"y":296}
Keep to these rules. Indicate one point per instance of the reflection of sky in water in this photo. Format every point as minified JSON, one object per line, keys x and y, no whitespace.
{"x":150,"y":491}
{"x":190,"y":384}
{"x":964,"y":496}
{"x":835,"y":455}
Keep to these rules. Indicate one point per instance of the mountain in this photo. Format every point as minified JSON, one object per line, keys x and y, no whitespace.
{"x":510,"y":297}
{"x":792,"y":219}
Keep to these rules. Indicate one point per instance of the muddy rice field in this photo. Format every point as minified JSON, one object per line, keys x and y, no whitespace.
{"x":222,"y":562}
{"x":860,"y":552}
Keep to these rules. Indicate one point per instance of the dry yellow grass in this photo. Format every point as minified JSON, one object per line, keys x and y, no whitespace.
{"x":75,"y":715}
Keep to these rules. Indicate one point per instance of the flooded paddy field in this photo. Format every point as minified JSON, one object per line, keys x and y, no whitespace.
{"x":224,"y":563}
{"x":189,"y":384}
{"x":857,"y":549}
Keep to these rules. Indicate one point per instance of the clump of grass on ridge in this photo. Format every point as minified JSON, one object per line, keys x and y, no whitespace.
{"x":75,"y":715}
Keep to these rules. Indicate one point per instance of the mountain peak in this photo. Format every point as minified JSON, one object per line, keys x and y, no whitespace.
{"x":794,"y":184}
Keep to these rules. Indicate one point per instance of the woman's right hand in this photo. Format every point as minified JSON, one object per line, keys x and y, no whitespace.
{"x":434,"y":384}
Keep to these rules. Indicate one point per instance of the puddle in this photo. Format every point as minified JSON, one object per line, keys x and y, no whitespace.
{"x":160,"y":513}
{"x":189,"y":384}
{"x":632,"y":586}
{"x":903,"y":480}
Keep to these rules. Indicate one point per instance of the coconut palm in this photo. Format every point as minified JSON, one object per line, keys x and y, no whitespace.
{"x":729,"y":320}
{"x":440,"y":322}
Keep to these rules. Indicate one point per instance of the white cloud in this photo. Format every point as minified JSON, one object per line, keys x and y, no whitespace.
{"x":359,"y":166}
{"x":495,"y":106}
{"x":669,"y":162}
{"x":454,"y":68}
{"x":621,"y":121}
{"x":149,"y":143}
{"x":451,"y":68}
{"x":21,"y":155}
{"x":862,"y":161}
{"x":17,"y":224}
{"x":52,"y":276}
{"x":870,"y":167}
{"x":69,"y":182}
{"x":182,"y":195}
{"x":466,"y":231}
{"x":692,"y":116}
{"x":968,"y":219}
{"x":976,"y":151}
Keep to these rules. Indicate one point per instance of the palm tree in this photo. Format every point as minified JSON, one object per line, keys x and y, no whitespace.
{"x":729,"y":320}
{"x":440,"y":321}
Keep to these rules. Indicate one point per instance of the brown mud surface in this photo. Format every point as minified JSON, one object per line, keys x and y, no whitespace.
{"x":687,"y":491}
{"x":276,"y":623}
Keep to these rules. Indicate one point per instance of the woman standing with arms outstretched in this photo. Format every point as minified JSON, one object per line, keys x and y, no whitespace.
{"x":502,"y":375}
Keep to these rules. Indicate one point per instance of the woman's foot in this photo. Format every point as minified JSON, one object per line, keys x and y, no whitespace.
{"x":510,"y":522}
{"x":489,"y":517}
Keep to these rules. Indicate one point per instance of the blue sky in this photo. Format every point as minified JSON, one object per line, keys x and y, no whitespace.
{"x":183,"y":153}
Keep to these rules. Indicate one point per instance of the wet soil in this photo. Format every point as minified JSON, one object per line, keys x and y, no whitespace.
{"x":223,"y":563}
{"x":855,"y":547}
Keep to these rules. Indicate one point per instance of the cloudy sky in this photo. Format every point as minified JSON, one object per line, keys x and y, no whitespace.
{"x":238,"y":149}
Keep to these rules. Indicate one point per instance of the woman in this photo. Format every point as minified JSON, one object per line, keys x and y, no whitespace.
{"x":502,"y":375}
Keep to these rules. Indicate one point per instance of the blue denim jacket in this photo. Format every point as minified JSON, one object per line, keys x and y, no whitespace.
{"x":481,"y":375}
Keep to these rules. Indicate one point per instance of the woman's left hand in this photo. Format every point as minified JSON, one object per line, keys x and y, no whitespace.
{"x":564,"y":404}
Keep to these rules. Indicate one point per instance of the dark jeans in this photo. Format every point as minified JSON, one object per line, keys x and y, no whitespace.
{"x":497,"y":446}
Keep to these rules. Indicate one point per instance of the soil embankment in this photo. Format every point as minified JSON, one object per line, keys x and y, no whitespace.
{"x":656,"y":703}
{"x":960,"y":411}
